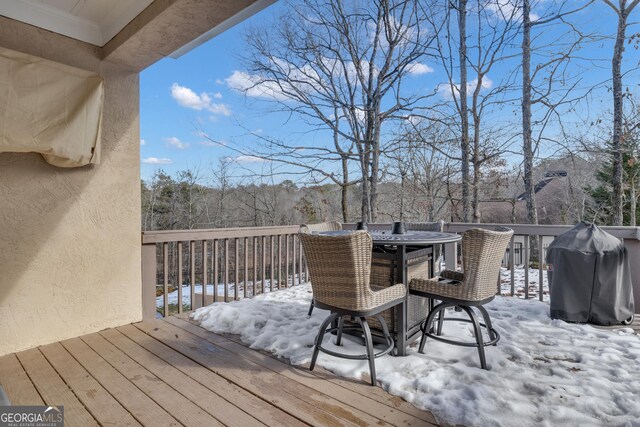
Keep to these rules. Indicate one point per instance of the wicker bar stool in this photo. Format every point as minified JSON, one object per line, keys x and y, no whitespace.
{"x":321,"y":226}
{"x":340,"y":267}
{"x":482,"y":253}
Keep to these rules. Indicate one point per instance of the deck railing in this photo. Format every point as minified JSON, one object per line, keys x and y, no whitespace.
{"x":525,"y":233}
{"x":198,"y":267}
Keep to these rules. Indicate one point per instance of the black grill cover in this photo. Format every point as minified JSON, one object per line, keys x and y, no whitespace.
{"x":589,"y":278}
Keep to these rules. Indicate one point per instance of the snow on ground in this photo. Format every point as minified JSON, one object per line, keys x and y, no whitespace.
{"x":186,"y":291}
{"x":542,"y":372}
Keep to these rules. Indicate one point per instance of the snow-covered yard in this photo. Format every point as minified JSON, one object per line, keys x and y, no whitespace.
{"x":542,"y":372}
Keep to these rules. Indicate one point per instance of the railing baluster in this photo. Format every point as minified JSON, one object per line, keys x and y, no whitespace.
{"x":204,"y":273}
{"x":540,"y":265}
{"x":293,"y":258}
{"x":526,"y":266}
{"x":512,"y":267}
{"x":192,"y":273}
{"x":255,"y":264}
{"x":264,"y":262}
{"x":271,"y":259}
{"x":216,"y":270}
{"x":236,"y":278}
{"x":226,"y":270}
{"x":179,"y":277}
{"x":245,"y":250}
{"x":165,"y":277}
{"x":286,"y":260}
{"x":279,"y":261}
{"x":300,"y":262}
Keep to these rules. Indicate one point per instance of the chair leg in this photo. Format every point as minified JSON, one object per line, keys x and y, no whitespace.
{"x":428,"y":325}
{"x":369,"y":343}
{"x":340,"y":326}
{"x":311,"y":307}
{"x":478,"y":333}
{"x":319,"y":337}
{"x":385,"y":330}
{"x":440,"y":322}
{"x":487,"y":322}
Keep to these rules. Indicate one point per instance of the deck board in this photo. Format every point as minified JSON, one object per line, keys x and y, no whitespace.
{"x":52,"y":388}
{"x":16,"y":383}
{"x":356,"y":401}
{"x":224,"y":411}
{"x":143,"y":408}
{"x":172,"y":372}
{"x":305,"y":404}
{"x":103,"y":407}
{"x":254,"y":405}
{"x":182,"y":409}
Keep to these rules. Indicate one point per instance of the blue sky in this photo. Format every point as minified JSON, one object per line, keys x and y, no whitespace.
{"x":180,"y":98}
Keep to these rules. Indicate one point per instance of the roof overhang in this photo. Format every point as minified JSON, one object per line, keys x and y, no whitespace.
{"x":135,"y":33}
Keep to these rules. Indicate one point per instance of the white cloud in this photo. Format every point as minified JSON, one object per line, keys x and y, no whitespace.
{"x":176,"y":143}
{"x":219,"y":81}
{"x":302,"y":79}
{"x":157,"y":161}
{"x":509,"y":10}
{"x":189,"y":99}
{"x":249,"y":159}
{"x":418,"y":68}
{"x":142,"y":142}
{"x":252,"y":87}
{"x":217,"y":95}
{"x":446,"y":89}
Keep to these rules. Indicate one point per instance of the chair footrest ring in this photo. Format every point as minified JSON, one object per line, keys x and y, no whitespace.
{"x":390,"y":346}
{"x":462,"y":343}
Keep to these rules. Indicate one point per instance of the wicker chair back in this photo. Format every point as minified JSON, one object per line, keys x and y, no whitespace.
{"x":482,"y":253}
{"x":340,"y":267}
{"x":321,"y":226}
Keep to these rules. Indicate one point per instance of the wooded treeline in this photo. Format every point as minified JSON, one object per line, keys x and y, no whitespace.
{"x":518,"y":98}
{"x":199,"y":199}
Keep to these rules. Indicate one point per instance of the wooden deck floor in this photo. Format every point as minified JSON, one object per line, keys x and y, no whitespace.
{"x":172,"y":372}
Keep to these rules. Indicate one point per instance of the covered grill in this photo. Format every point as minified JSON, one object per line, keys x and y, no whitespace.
{"x":589,"y":277}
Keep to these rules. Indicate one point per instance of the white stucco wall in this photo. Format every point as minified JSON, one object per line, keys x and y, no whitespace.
{"x":70,"y":238}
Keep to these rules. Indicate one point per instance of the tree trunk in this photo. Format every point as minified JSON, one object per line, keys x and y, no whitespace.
{"x":475,"y":155}
{"x":616,"y":143}
{"x":375,"y":168}
{"x":632,"y":202}
{"x":464,"y":118}
{"x":527,"y":146}
{"x":365,"y":214}
{"x":345,"y":190}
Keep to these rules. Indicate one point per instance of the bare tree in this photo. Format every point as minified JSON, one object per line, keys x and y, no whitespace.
{"x":553,"y":66}
{"x":461,"y":8}
{"x":623,"y":9}
{"x":495,"y":32}
{"x":341,"y":67}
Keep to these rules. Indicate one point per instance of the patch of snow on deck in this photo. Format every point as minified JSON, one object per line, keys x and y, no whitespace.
{"x":542,"y":372}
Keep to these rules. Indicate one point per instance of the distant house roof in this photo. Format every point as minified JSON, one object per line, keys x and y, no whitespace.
{"x":548,"y":177}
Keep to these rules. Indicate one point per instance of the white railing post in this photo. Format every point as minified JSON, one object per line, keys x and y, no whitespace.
{"x":149,"y":269}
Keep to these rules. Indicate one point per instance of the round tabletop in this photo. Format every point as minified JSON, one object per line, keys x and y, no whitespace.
{"x":408,"y":238}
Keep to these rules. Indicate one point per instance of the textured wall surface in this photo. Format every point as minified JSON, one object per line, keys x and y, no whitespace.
{"x":70,"y":238}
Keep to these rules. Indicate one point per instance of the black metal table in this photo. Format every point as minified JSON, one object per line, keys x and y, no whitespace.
{"x":398,"y":247}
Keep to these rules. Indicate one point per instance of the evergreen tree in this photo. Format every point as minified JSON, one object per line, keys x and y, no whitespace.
{"x":601,"y":208}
